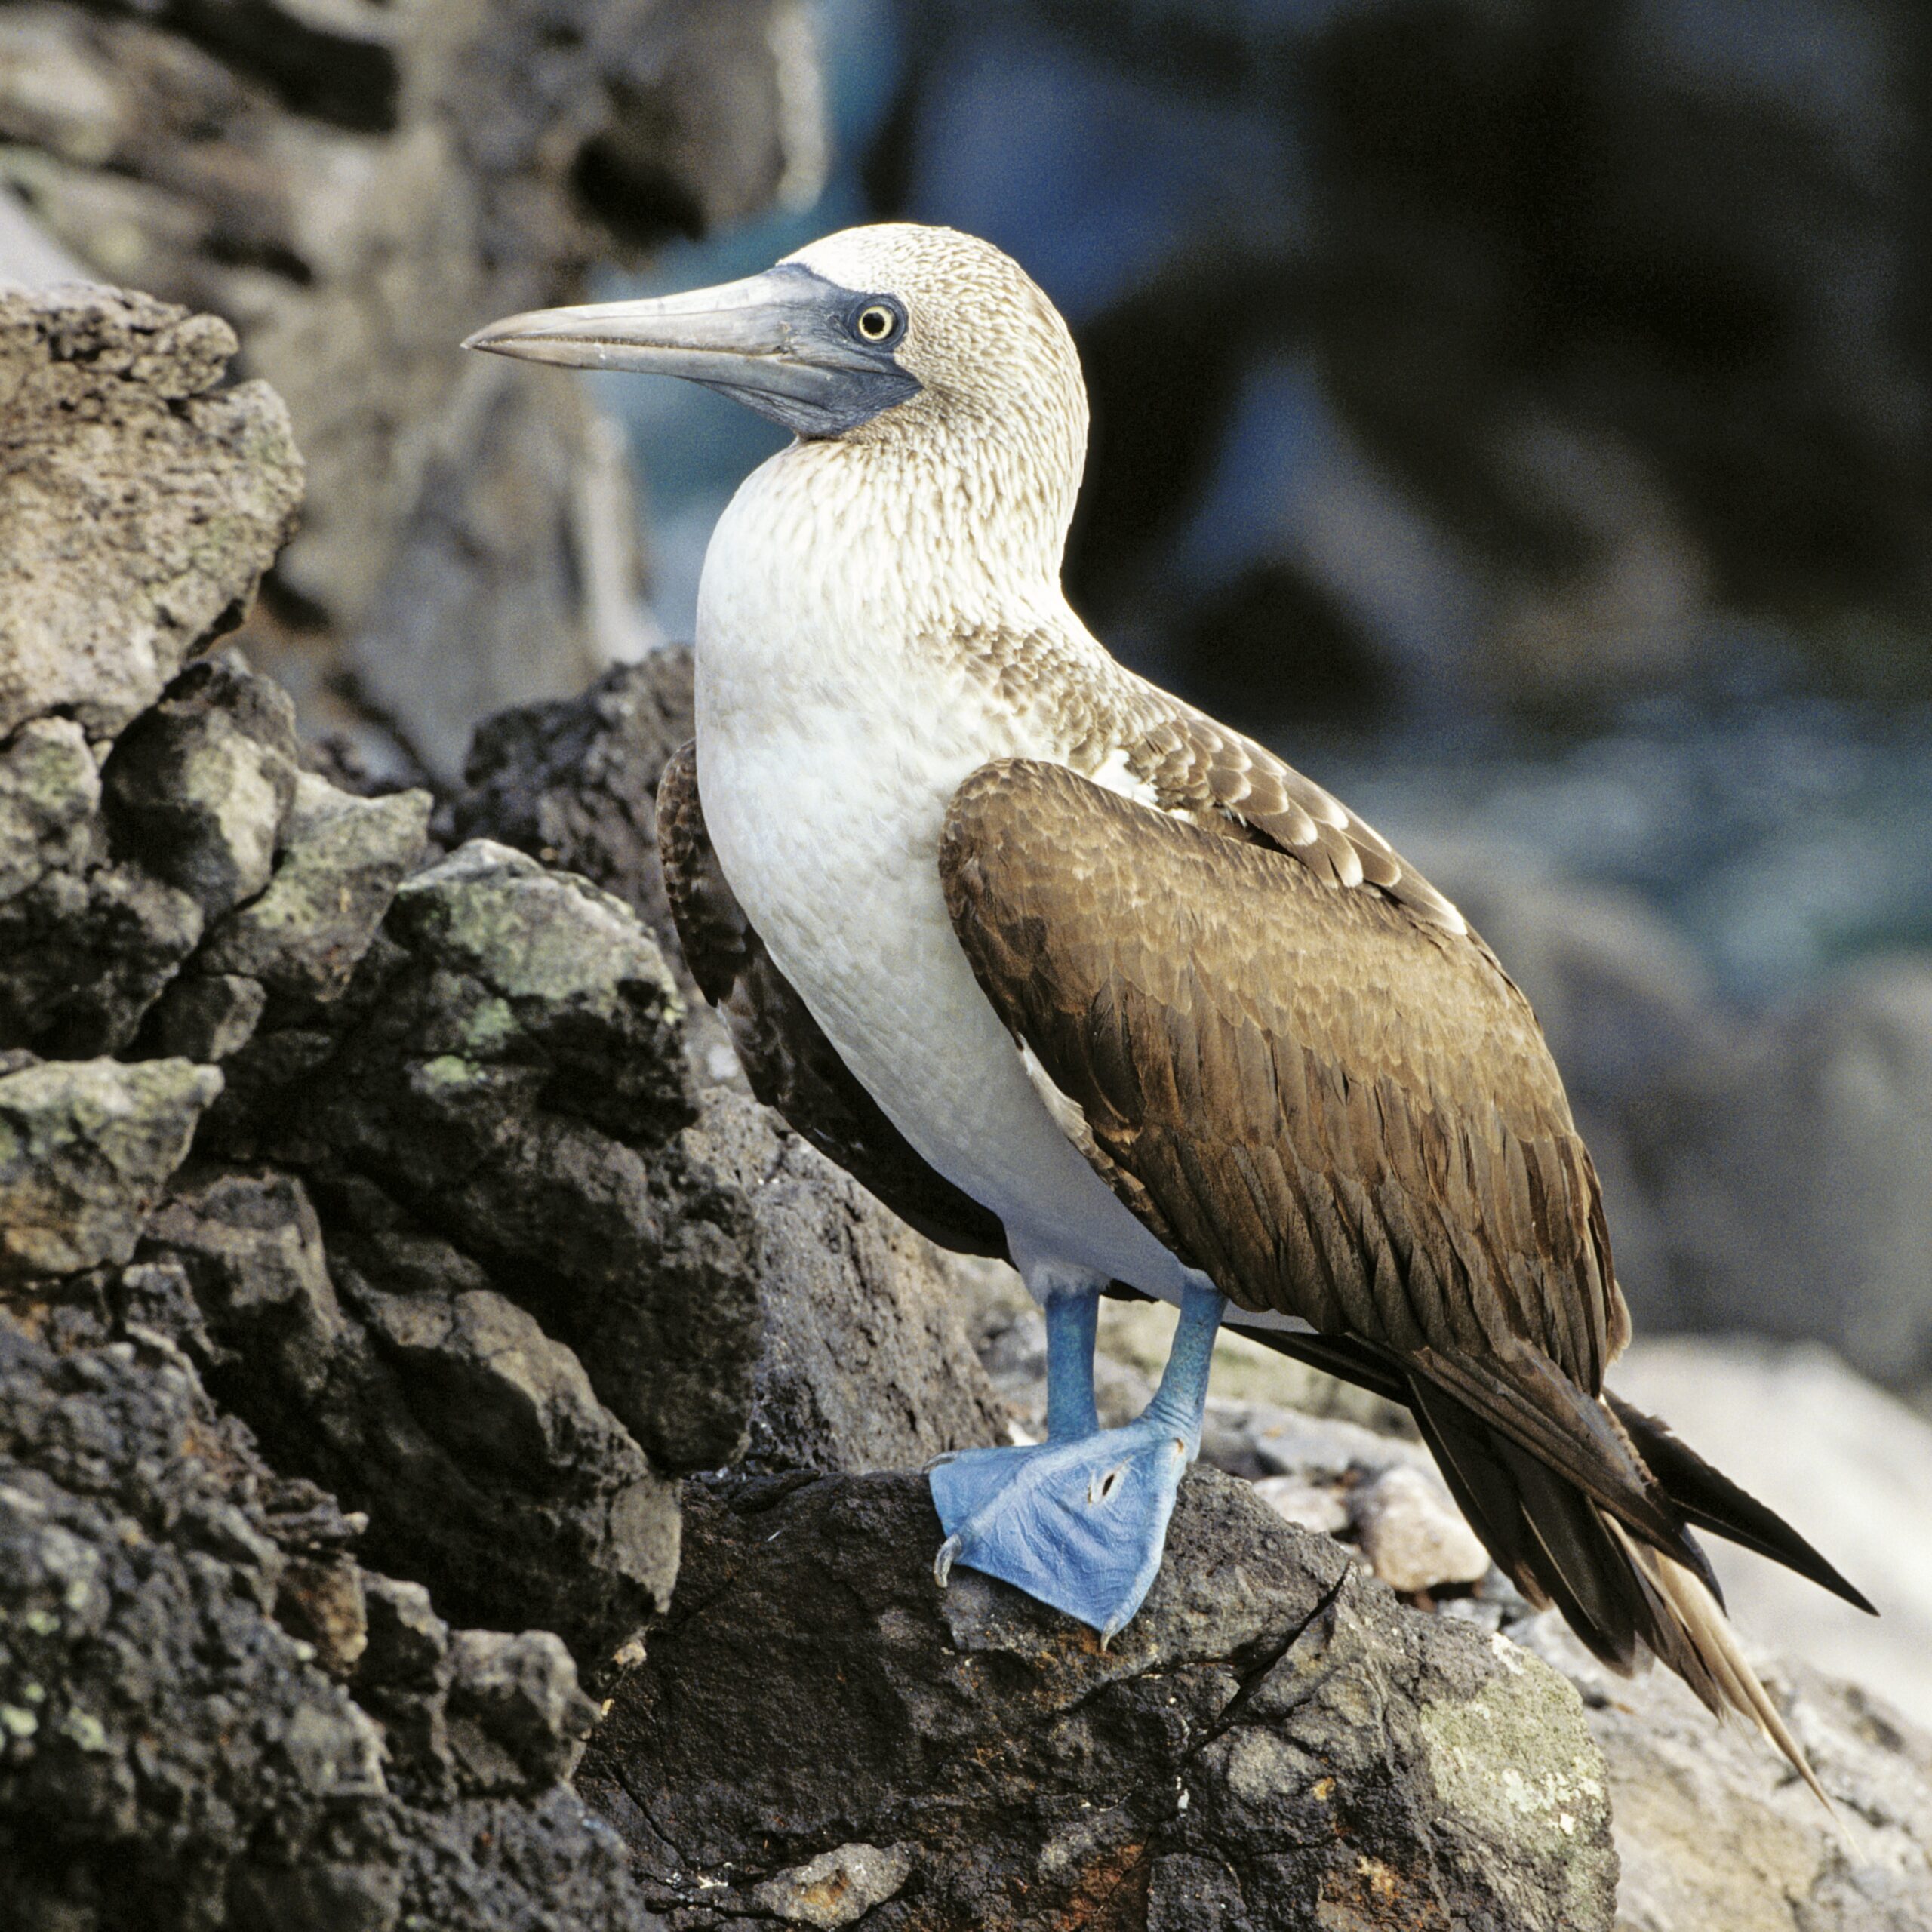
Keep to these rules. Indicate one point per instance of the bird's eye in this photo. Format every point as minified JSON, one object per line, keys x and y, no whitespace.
{"x":879,"y":322}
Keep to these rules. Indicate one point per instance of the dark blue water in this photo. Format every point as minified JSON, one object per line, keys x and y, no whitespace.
{"x":1781,"y":832}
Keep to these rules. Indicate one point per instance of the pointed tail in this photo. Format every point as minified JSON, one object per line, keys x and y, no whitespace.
{"x":1588,"y":1504}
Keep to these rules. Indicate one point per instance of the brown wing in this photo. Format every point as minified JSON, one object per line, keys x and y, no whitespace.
{"x":1343,"y":1111}
{"x":1340,"y":1108}
{"x":790,"y":1063}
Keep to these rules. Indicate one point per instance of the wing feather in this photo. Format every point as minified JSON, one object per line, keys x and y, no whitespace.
{"x":1340,"y":1110}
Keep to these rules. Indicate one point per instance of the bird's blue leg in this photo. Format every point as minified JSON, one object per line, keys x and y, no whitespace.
{"x":1073,"y":1316}
{"x":1079,"y":1521}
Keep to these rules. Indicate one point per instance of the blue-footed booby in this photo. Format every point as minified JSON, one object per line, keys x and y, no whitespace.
{"x":1065,"y":970}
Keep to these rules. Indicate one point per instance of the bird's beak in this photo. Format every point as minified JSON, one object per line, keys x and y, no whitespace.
{"x":782,"y":342}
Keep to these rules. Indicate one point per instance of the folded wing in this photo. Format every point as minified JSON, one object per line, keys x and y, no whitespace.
{"x":1336,"y":1104}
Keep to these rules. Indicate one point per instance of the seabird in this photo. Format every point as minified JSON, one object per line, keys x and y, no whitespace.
{"x":1066,"y":970}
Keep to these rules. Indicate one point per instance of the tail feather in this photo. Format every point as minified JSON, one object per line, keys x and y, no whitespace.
{"x":1618,"y":1594}
{"x":1545,"y":1533}
{"x":1701,"y":1646}
{"x":1709,"y":1499}
{"x":1624,"y":1569}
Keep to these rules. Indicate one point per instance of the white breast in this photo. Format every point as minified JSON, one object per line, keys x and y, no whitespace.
{"x":830,"y":739}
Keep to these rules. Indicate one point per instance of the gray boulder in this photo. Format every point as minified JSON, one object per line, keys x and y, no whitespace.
{"x":1794,"y":1174}
{"x":354,"y":188}
{"x":342,"y":860}
{"x":1715,"y":1834}
{"x":138,"y":510}
{"x":1848,"y":1463}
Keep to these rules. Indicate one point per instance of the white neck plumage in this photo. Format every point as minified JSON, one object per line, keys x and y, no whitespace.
{"x":929,"y":523}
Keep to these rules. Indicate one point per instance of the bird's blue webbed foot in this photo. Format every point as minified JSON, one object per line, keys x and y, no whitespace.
{"x":1080,"y":1521}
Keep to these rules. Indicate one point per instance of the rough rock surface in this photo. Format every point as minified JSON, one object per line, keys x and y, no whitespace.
{"x":449,"y":1267}
{"x":1273,"y":1742}
{"x":1716,"y":1835}
{"x":574,"y":782}
{"x":176,"y":540}
{"x":174,"y":1754}
{"x":355,"y":187}
{"x":85,"y":1149}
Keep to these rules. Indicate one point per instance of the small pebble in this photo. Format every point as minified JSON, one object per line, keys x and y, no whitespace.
{"x":1413,"y":1534}
{"x":1311,"y":1505}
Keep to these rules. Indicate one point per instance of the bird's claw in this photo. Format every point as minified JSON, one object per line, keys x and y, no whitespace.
{"x":942,"y":1562}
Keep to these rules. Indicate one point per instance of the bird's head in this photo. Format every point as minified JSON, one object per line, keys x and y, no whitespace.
{"x":895,"y":332}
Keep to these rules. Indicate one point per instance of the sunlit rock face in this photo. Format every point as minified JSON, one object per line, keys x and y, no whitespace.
{"x":354,"y":189}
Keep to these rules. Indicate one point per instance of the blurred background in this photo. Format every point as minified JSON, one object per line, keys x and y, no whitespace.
{"x":1515,"y":411}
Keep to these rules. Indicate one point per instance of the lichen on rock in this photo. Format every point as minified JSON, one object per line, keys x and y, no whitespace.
{"x":85,"y":1149}
{"x":1267,"y":1744}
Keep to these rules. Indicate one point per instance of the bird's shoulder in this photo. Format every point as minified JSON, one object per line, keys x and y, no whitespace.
{"x":1196,"y":766}
{"x":1123,"y":731}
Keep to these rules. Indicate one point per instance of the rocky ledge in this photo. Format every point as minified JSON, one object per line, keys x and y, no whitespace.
{"x":442,"y":1417}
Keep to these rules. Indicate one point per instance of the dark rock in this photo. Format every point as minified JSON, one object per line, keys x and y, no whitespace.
{"x":155,"y":1304}
{"x":86,"y":944}
{"x":563,"y":971}
{"x":321,"y":1602}
{"x":408,"y":1645}
{"x":574,"y":782}
{"x":83,"y":958}
{"x":195,"y":794}
{"x":85,"y":1149}
{"x":137,"y":510}
{"x":172,"y":1760}
{"x":708,"y":93}
{"x":199,"y":786}
{"x":864,"y":1363}
{"x":509,"y":1063}
{"x":403,"y":1678}
{"x":1273,"y":1735}
{"x":837,"y":1886}
{"x":517,"y":1719}
{"x":473,"y":1442}
{"x":338,"y":64}
{"x":206,"y":1017}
